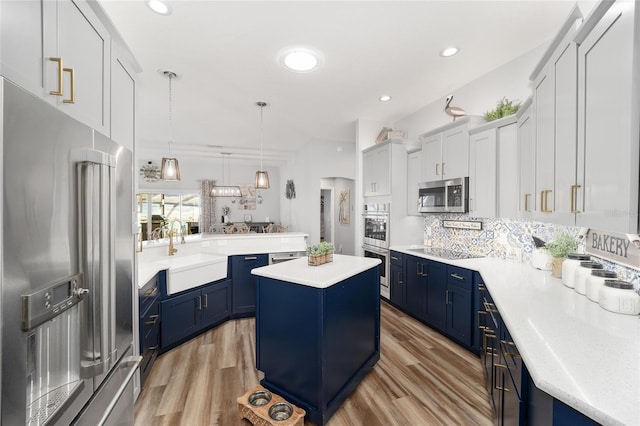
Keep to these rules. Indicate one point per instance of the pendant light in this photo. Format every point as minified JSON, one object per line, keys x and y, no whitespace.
{"x":170,"y":169}
{"x":225,"y":190}
{"x":262,"y":177}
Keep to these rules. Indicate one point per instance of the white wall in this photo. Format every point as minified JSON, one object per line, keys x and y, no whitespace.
{"x":479,"y":96}
{"x":193,"y":170}
{"x":317,"y":160}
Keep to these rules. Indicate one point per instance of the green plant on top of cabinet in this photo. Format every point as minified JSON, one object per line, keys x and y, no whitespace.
{"x":72,"y":51}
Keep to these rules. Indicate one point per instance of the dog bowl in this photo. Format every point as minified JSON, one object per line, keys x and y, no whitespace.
{"x":280,"y":411}
{"x":260,"y":398}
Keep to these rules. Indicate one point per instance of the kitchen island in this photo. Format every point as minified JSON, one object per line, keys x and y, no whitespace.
{"x":317,"y":330}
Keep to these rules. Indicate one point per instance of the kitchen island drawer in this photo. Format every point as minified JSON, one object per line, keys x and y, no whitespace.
{"x":460,"y":277}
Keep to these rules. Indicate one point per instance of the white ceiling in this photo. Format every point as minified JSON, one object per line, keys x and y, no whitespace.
{"x":226,"y":57}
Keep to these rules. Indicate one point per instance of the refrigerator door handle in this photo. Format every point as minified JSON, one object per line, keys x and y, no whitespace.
{"x":97,"y":253}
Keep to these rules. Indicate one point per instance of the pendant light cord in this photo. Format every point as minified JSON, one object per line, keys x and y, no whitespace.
{"x":261,"y":134}
{"x":170,"y":111}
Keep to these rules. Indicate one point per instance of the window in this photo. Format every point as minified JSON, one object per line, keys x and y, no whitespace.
{"x":166,"y":209}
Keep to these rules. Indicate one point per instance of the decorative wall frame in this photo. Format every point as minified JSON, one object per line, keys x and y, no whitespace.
{"x":344,"y":203}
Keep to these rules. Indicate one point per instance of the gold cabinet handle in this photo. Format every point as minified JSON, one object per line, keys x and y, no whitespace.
{"x":481,"y":287}
{"x":72,"y":96}
{"x":488,"y":334}
{"x":505,"y":348}
{"x":443,"y":173}
{"x":480,"y":326}
{"x":59,"y":91}
{"x":496,"y":365}
{"x":400,"y":280}
{"x":446,"y":297}
{"x":152,"y":320}
{"x":206,"y":301}
{"x":199,"y":303}
{"x":544,"y":201}
{"x":490,"y":307}
{"x":437,"y":174}
{"x":457,"y":277}
{"x":526,"y":202}
{"x":574,"y":195}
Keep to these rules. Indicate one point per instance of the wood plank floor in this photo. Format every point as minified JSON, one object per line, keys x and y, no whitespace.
{"x":422,"y":378}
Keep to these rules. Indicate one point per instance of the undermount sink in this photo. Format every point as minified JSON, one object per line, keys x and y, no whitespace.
{"x":193,"y":270}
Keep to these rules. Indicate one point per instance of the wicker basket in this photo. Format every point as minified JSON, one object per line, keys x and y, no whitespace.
{"x":319,"y":259}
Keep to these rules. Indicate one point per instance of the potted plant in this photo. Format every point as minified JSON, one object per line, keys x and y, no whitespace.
{"x":320,"y":253}
{"x":503,"y":108}
{"x":559,"y":248}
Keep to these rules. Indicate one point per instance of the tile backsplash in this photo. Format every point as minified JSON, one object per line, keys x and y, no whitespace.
{"x":504,"y":238}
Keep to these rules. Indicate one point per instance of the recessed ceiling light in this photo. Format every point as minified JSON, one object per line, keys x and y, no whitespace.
{"x":449,"y":51}
{"x":159,"y":6}
{"x":300,"y":59}
{"x":384,"y":98}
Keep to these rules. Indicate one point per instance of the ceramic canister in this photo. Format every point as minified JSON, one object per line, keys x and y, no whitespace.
{"x":581,"y":274}
{"x":595,"y":281}
{"x":620,"y":297}
{"x":569,"y":266}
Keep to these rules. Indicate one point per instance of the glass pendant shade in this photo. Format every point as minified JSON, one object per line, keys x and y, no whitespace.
{"x":170,"y":169}
{"x":262,"y":179}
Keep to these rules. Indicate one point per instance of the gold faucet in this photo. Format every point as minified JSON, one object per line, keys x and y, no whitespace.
{"x":172,"y":250}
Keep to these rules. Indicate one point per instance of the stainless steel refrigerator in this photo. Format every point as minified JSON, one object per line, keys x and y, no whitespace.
{"x":67,"y":269}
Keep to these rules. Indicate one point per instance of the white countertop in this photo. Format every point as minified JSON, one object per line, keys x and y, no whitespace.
{"x":197,"y":249}
{"x":300,"y":272}
{"x":575,"y":351}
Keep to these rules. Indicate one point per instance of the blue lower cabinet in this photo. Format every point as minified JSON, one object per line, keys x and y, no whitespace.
{"x":459,"y":314}
{"x":397,"y":282}
{"x":436,"y":314}
{"x":188,"y":313}
{"x":149,"y":322}
{"x":545,"y":410}
{"x":315,"y":345}
{"x":216,"y":303}
{"x":244,"y":284}
{"x":416,"y":287}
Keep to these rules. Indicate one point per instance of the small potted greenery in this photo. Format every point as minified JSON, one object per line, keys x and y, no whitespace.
{"x":504,"y":108}
{"x":559,"y":248}
{"x":320,"y":253}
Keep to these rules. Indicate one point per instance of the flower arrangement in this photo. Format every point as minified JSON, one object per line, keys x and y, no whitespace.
{"x":320,"y":253}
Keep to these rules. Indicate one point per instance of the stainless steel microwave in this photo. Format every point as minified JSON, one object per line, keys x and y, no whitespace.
{"x":444,"y":196}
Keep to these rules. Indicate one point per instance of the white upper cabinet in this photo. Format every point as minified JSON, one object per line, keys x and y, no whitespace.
{"x":527,"y":163}
{"x":59,"y":51}
{"x":608,"y":120}
{"x":376,"y":170}
{"x":493,"y":169}
{"x":123,"y":89}
{"x":414,"y":177}
{"x":445,"y":150}
{"x":483,"y":173}
{"x":432,"y":157}
{"x":554,"y":126}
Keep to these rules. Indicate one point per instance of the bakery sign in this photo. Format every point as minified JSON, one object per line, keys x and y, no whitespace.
{"x":613,"y":246}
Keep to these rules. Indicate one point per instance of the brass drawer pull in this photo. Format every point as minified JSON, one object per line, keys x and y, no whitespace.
{"x":481,"y":287}
{"x":490,"y":307}
{"x":59,"y":91}
{"x":457,"y":277}
{"x":152,"y":319}
{"x":505,"y":344}
{"x":72,"y":96}
{"x":482,"y":327}
{"x":495,"y":386}
{"x":574,"y":193}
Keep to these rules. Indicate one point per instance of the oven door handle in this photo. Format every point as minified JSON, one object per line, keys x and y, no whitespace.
{"x":375,"y":250}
